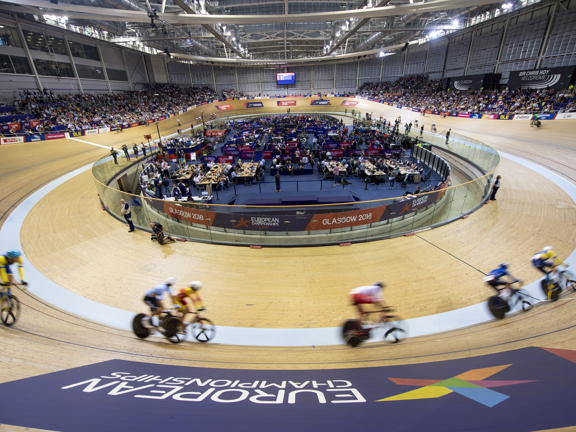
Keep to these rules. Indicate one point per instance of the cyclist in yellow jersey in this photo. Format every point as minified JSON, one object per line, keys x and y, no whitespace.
{"x":186,"y":296}
{"x":546,"y":260}
{"x":11,"y":257}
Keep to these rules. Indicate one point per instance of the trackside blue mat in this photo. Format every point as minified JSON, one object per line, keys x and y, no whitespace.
{"x":522,"y":390}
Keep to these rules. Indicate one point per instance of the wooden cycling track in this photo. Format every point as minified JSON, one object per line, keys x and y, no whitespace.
{"x":74,"y":243}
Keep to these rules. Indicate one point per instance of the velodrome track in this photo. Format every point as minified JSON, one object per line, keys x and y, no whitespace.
{"x":77,"y":245}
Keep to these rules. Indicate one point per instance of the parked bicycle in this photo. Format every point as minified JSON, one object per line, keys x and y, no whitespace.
{"x":500,"y":304}
{"x":173,"y":329}
{"x":355,"y":331}
{"x":9,"y":306}
{"x":553,"y":287}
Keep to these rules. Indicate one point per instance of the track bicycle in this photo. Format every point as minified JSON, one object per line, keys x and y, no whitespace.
{"x":552,"y":290}
{"x":536,"y":123}
{"x":500,"y":304}
{"x":173,"y":329}
{"x":9,"y":306}
{"x":354,"y":331}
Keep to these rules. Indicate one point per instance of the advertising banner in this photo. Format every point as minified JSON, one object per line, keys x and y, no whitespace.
{"x":11,"y":140}
{"x":91,"y":132}
{"x":337,"y":153}
{"x":225,"y":159}
{"x":349,"y":103}
{"x":267,"y":154}
{"x":505,"y":116}
{"x":76,"y":133}
{"x":225,"y":107}
{"x":149,"y":121}
{"x":33,"y":138}
{"x":464,"y":115}
{"x":57,"y":136}
{"x":566,"y":116}
{"x":345,"y":219}
{"x":473,"y":82}
{"x":428,"y":111}
{"x":215,"y":133}
{"x":103,"y":130}
{"x":254,"y":105}
{"x":489,"y":116}
{"x":161,"y":118}
{"x":14,"y":126}
{"x":557,"y":78}
{"x":189,"y":214}
{"x":415,"y":109}
{"x":245,"y":148}
{"x":34,"y":123}
{"x":522,"y":117}
{"x":372,"y":152}
{"x":320,"y":102}
{"x":247,"y":154}
{"x":549,"y":116}
{"x":134,"y":124}
{"x":476,"y":116}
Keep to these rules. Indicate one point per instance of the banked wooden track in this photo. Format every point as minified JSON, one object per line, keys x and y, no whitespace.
{"x":73,"y":242}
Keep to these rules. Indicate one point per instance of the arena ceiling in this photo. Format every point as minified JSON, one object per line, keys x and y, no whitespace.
{"x":270,"y":32}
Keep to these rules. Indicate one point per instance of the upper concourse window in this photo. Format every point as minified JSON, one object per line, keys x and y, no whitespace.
{"x":9,"y":37}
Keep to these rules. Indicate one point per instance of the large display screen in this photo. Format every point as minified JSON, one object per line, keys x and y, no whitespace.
{"x":284,"y":78}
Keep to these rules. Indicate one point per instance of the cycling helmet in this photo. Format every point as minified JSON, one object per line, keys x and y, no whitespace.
{"x":380,"y":284}
{"x":195,"y":285}
{"x":547,"y":249}
{"x":504,"y":266}
{"x":13,"y":254}
{"x":170,"y":281}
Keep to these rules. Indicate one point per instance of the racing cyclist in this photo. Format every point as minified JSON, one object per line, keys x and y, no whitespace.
{"x":186,"y":297}
{"x":154,"y":298}
{"x":11,"y":257}
{"x":495,"y":280}
{"x":547,"y":261}
{"x":370,"y":294}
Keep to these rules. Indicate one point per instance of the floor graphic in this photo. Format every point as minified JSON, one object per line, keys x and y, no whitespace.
{"x":522,"y":390}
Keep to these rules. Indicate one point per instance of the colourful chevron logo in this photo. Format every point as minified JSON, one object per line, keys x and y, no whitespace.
{"x":472,"y":384}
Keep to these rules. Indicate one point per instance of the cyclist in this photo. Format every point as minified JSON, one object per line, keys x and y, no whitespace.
{"x":154,"y":296}
{"x":494,"y":279}
{"x":11,"y":257}
{"x":187,"y":296}
{"x":546,"y":260}
{"x":370,"y":294}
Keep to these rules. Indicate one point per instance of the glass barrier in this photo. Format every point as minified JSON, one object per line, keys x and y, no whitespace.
{"x":302,"y":224}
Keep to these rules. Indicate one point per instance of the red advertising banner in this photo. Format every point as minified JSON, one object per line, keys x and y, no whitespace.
{"x":161,"y":118}
{"x":349,"y":103}
{"x":267,"y":154}
{"x":465,"y":115}
{"x":245,"y":148}
{"x":428,"y":111}
{"x":149,"y":121}
{"x":55,"y":136}
{"x":345,"y":219}
{"x":224,"y":107}
{"x":225,"y":159}
{"x":34,"y":123}
{"x":134,"y":124}
{"x":292,"y":144}
{"x":215,"y":133}
{"x":372,"y":152}
{"x":345,"y":145}
{"x":11,"y":140}
{"x":286,"y":103}
{"x":189,"y":214}
{"x":14,"y":126}
{"x":337,"y":153}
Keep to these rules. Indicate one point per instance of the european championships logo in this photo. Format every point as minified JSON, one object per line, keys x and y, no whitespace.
{"x":471,"y":384}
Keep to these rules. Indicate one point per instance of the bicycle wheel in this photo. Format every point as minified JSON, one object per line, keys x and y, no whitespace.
{"x":554,"y":293}
{"x":396,"y":331}
{"x":10,"y":310}
{"x":169,"y":327}
{"x":498,"y":307}
{"x":350,"y":332}
{"x":138,"y":328}
{"x":526,"y":305}
{"x":203,"y":330}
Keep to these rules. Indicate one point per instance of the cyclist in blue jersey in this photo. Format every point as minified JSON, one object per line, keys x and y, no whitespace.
{"x":154,"y":298}
{"x":495,"y":280}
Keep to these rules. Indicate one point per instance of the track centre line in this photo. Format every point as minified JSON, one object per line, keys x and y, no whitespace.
{"x":88,"y":142}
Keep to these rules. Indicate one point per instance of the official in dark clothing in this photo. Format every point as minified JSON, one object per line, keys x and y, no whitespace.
{"x":495,"y":188}
{"x":114,"y":154}
{"x":127,"y":213}
{"x":277,"y":178}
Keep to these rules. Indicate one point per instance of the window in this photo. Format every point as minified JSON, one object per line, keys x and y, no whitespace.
{"x":116,"y":75}
{"x":36,"y":41}
{"x":9,"y":37}
{"x":21,"y":65}
{"x":90,"y":72}
{"x":5,"y":64}
{"x":84,"y":51}
{"x":57,"y":45}
{"x":53,"y":68}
